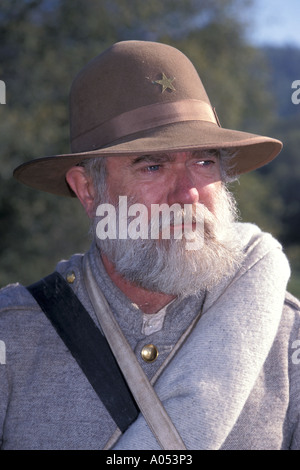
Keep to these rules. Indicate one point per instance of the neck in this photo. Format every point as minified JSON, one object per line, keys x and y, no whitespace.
{"x":147,"y":301}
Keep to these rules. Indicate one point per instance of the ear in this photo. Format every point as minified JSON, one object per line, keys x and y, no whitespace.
{"x":82,"y":186}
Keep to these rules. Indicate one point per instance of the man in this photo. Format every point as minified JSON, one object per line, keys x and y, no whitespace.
{"x":200,"y":310}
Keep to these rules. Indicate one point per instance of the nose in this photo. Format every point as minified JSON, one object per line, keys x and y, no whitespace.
{"x":182,"y":190}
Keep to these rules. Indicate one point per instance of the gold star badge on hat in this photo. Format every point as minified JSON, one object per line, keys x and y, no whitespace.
{"x":166,"y":83}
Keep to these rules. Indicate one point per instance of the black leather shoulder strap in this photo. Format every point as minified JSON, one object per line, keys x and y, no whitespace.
{"x":88,"y":346}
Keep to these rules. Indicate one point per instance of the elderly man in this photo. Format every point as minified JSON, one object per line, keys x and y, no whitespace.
{"x":175,"y":330}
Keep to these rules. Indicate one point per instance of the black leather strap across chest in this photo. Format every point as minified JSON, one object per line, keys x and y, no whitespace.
{"x":87,"y":345}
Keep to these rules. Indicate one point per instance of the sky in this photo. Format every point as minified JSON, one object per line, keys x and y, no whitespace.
{"x":275,"y":22}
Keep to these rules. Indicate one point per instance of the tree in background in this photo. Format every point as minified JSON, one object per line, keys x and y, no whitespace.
{"x":44,"y":44}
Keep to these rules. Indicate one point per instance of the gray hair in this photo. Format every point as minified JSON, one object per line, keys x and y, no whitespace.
{"x":226,"y":156}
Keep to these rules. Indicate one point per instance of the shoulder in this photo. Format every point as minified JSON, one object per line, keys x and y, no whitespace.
{"x":19,"y":317}
{"x":291,"y":316}
{"x":23,"y":324}
{"x":71,"y":271}
{"x":290,"y":320}
{"x":292,"y":303}
{"x":263,"y":255}
{"x":252,"y":237}
{"x":261,"y":249}
{"x":15,"y":297}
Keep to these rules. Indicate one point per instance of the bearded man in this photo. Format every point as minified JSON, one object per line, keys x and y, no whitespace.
{"x":175,"y":329}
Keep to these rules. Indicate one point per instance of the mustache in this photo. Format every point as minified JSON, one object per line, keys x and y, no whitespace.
{"x":128,"y":218}
{"x":161,"y":221}
{"x":179,"y":222}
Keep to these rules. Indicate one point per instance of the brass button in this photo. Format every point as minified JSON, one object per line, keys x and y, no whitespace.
{"x":70,"y":277}
{"x":149,"y":353}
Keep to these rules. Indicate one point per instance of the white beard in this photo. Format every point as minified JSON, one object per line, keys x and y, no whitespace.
{"x":171,"y":266}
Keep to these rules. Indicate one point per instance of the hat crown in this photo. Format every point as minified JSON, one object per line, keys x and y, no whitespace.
{"x":128,"y":76}
{"x":142,"y":97}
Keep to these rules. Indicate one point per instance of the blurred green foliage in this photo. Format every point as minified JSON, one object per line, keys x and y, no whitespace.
{"x":44,"y":44}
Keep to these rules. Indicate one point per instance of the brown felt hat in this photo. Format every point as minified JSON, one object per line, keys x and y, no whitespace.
{"x":136,"y":98}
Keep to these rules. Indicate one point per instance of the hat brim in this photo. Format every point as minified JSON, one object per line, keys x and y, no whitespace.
{"x":252,"y":151}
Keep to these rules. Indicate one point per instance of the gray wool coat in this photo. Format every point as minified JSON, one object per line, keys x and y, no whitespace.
{"x":234,"y":384}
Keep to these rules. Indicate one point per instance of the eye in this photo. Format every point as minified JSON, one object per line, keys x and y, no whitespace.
{"x":205,"y":163}
{"x":152,"y":168}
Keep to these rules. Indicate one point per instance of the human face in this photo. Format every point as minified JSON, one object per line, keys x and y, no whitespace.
{"x":181,"y":178}
{"x":170,"y":266}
